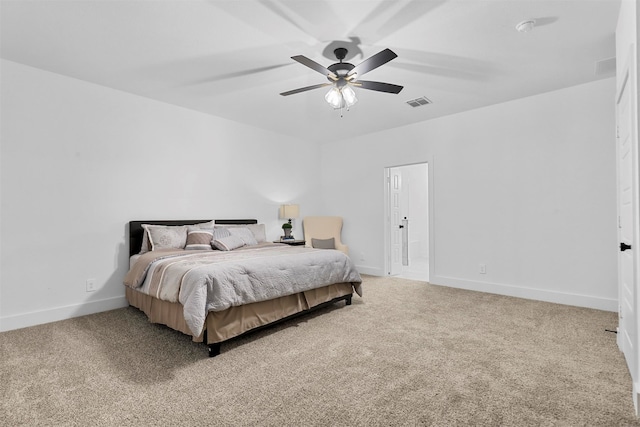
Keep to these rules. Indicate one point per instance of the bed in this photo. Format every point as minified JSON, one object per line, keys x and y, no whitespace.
{"x":216,"y":294}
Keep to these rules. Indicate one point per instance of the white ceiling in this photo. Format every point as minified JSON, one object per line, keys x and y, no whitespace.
{"x":232,"y":58}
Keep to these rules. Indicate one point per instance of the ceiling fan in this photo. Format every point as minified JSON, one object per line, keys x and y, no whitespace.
{"x":343,"y":75}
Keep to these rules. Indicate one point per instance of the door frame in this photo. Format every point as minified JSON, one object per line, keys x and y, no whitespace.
{"x":431,"y":209}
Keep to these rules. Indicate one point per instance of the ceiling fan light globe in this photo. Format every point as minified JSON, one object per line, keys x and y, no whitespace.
{"x":349,"y":96}
{"x":334,"y":98}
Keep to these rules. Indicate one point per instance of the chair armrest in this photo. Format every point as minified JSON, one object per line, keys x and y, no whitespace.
{"x":342,"y":248}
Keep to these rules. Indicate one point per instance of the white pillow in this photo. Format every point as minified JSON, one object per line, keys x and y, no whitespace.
{"x":259,"y":230}
{"x":145,"y":239}
{"x":228,"y":243}
{"x":245,"y":234}
{"x":208,"y":224}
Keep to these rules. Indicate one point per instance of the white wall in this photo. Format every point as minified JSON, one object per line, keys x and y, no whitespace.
{"x":526,"y":187}
{"x":79,"y":161}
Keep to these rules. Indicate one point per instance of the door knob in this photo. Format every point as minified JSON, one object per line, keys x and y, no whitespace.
{"x":624,"y":247}
{"x":401,"y":226}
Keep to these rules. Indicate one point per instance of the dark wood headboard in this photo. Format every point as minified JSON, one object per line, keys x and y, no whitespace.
{"x":135,"y":228}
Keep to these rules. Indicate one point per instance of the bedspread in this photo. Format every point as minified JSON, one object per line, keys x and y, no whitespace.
{"x":204,"y":281}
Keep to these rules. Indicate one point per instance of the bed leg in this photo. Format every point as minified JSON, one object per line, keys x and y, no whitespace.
{"x":214,"y":349}
{"x":347,"y":300}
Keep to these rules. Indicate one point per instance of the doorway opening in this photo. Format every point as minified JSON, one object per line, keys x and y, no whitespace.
{"x":407,"y":221}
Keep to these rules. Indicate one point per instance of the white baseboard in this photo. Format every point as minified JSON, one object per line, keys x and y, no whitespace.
{"x":371,"y":271}
{"x":420,"y":276}
{"x":577,"y":300}
{"x":33,"y":318}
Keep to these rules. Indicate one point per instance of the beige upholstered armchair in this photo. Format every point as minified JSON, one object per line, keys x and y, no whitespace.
{"x":322,"y":228}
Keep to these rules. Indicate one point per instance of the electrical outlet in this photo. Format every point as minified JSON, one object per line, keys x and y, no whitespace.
{"x":482,"y":268}
{"x":91,"y":285}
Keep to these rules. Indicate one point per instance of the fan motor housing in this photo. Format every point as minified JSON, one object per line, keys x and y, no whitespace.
{"x":341,"y":69}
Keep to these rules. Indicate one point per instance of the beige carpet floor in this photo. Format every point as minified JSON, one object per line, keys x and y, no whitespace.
{"x":407,"y":353}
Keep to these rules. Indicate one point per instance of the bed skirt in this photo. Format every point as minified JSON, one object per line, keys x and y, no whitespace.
{"x":223,"y":325}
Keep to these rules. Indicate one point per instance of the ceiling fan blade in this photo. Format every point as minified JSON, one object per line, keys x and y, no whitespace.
{"x":315,"y":66}
{"x":373,"y":62}
{"x":378,"y":86}
{"x":304,"y":89}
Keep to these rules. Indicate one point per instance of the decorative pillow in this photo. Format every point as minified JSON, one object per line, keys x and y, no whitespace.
{"x":220,"y":232}
{"x":199,"y":238}
{"x":245,"y":234}
{"x":259,"y":230}
{"x":167,"y":237}
{"x":145,"y":240}
{"x":228,"y":243}
{"x":323,"y":243}
{"x":146,"y":245}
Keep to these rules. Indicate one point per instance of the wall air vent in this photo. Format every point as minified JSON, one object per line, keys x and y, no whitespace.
{"x":418,"y":102}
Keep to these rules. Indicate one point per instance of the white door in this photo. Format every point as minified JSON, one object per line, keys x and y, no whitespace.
{"x":628,"y":211}
{"x":407,"y":224}
{"x":394,"y":179}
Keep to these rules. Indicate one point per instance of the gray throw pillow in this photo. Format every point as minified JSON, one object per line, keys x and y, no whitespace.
{"x":220,"y":232}
{"x":228,"y":243}
{"x":323,"y":243}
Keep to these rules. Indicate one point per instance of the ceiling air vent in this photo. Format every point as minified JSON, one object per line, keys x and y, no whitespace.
{"x":419,"y":101}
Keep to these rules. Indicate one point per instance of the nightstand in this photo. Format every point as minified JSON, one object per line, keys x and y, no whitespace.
{"x":291,"y":242}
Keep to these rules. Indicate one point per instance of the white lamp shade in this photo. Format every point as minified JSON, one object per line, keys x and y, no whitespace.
{"x":289,"y":211}
{"x":334,"y":98}
{"x":349,"y":96}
